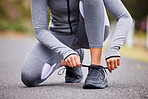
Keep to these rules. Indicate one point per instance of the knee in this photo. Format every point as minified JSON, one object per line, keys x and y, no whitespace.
{"x":29,"y":80}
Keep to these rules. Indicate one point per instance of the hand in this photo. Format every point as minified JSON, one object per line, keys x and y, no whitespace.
{"x":73,"y":61}
{"x":113,"y":63}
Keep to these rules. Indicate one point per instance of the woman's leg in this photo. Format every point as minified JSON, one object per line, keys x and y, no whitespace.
{"x":85,"y":36}
{"x":96,"y":30}
{"x":39,"y":64}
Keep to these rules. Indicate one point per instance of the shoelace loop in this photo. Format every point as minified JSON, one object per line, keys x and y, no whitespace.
{"x":61,"y":71}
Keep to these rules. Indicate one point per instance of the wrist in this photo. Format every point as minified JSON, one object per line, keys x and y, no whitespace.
{"x":70,"y":54}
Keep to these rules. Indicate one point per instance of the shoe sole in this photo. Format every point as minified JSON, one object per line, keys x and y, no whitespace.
{"x":95,"y":86}
{"x":73,"y":81}
{"x":90,"y":86}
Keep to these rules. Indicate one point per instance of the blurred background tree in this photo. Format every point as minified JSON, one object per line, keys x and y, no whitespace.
{"x":15,"y":14}
{"x":139,"y":11}
{"x":138,"y":8}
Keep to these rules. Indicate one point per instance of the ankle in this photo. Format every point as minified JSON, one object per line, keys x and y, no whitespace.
{"x":94,"y":63}
{"x":96,"y":56}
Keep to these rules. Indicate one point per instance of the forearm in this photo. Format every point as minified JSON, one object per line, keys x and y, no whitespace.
{"x":51,"y":42}
{"x":124,"y":22}
{"x":121,"y":30}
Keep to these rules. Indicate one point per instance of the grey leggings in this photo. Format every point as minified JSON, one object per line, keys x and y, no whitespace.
{"x":41,"y":61}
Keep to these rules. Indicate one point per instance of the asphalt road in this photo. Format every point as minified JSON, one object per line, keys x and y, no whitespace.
{"x":129,"y":81}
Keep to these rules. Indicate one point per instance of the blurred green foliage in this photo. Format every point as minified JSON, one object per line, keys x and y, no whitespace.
{"x":16,"y":26}
{"x":13,"y":13}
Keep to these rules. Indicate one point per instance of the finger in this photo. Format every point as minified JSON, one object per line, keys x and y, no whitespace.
{"x":118,"y":61}
{"x":73,"y":61}
{"x":115,"y":63}
{"x":70,"y":63}
{"x":112,"y":64}
{"x":67,"y":62}
{"x":108,"y":65}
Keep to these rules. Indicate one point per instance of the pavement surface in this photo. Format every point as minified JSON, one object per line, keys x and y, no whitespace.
{"x":129,"y":81}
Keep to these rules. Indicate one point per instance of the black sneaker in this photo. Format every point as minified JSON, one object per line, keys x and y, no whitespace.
{"x":95,"y":78}
{"x":75,"y":75}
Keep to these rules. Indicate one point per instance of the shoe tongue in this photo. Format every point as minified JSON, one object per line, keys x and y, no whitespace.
{"x":93,"y":71}
{"x":93,"y":67}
